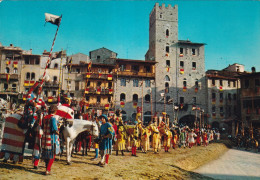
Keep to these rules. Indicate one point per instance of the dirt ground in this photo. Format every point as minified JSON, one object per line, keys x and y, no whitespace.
{"x":175,"y":164}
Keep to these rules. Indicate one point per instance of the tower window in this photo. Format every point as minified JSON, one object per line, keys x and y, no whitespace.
{"x":122,"y":97}
{"x":221,"y":82}
{"x":181,"y":64}
{"x":56,"y":66}
{"x":184,"y":83}
{"x":167,"y":32}
{"x":98,"y":57}
{"x":98,"y":99}
{"x":167,"y":49}
{"x":168,"y":63}
{"x":135,"y":82}
{"x":123,"y":82}
{"x":147,"y":98}
{"x":181,"y":50}
{"x":193,"y":65}
{"x":181,"y":100}
{"x":135,"y":98}
{"x":193,"y":51}
{"x":213,"y":82}
{"x":28,"y":76}
{"x":147,"y":83}
{"x":160,"y":15}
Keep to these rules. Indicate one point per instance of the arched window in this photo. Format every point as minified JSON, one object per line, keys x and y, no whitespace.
{"x":160,"y":15}
{"x":33,"y":76}
{"x":122,"y":97}
{"x":15,"y":70}
{"x":168,"y":63}
{"x":167,"y":78}
{"x":124,"y":115}
{"x":56,"y":65}
{"x":135,"y":98}
{"x":55,"y":78}
{"x":28,"y":76}
{"x":7,"y":70}
{"x":147,"y":117}
{"x":147,"y":98}
{"x":133,"y":116}
{"x":166,"y":87}
{"x":196,"y":83}
{"x":167,"y":32}
{"x":184,"y":82}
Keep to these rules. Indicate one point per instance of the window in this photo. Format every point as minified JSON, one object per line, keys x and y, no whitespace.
{"x":221,"y":109}
{"x":14,"y":86}
{"x":122,"y":82}
{"x":181,"y":100}
{"x":147,"y":117}
{"x":98,"y":57}
{"x":122,"y":67}
{"x":147,"y":83}
{"x":184,"y":83}
{"x":228,"y":83}
{"x":167,"y":32}
{"x":147,"y":69}
{"x":15,"y":70}
{"x":109,"y":99}
{"x":124,"y":116}
{"x":88,"y":84}
{"x":181,"y":50}
{"x":33,"y":76}
{"x":181,"y":64}
{"x":160,"y":15}
{"x":5,"y":86}
{"x":235,"y":96}
{"x":213,"y":109}
{"x":135,"y":82}
{"x":213,"y":82}
{"x":54,"y":93}
{"x":194,"y":100}
{"x":246,"y":83}
{"x":135,"y":68}
{"x":197,"y":83}
{"x":234,"y":83}
{"x":166,"y":78}
{"x":229,"y":96}
{"x":28,"y":76}
{"x":167,"y":49}
{"x":56,"y":66}
{"x":37,"y":61}
{"x":55,"y":78}
{"x":122,"y":97}
{"x":147,"y":98}
{"x":220,"y":96}
{"x":135,"y":98}
{"x":168,"y":63}
{"x":110,"y":84}
{"x":46,"y":93}
{"x":78,"y":70}
{"x":193,"y":51}
{"x":7,"y":70}
{"x":99,"y":83}
{"x":98,"y":99}
{"x":27,"y":61}
{"x":193,"y":65}
{"x":166,"y":87}
{"x":221,"y":82}
{"x":213,"y":95}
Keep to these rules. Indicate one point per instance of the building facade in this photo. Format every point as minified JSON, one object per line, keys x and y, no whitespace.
{"x":179,"y":73}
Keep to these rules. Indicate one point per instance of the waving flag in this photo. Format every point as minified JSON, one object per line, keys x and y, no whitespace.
{"x":52,"y":19}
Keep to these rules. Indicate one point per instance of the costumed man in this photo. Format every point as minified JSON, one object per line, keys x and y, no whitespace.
{"x":167,"y":139}
{"x":174,"y":138}
{"x":145,"y":138}
{"x":121,"y":136}
{"x":156,"y":137}
{"x":41,"y":109}
{"x":134,"y":137}
{"x":106,"y":135}
{"x":50,"y":138}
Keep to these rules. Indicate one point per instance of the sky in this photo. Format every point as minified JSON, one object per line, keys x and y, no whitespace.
{"x":230,"y":29}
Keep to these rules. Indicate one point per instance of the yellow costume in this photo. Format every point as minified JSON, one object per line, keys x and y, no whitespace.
{"x":156,"y":138}
{"x":121,"y":138}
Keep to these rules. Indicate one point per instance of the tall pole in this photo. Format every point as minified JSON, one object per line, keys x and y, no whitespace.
{"x":48,"y":61}
{"x":151,"y":99}
{"x":60,"y":80}
{"x":142,"y":114}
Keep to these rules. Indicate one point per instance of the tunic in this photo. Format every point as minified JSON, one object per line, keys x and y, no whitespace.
{"x":106,"y":133}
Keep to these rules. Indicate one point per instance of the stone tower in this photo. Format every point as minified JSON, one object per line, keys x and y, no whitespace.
{"x":180,"y":68}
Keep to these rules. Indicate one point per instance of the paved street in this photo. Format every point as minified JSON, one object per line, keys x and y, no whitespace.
{"x":234,"y":164}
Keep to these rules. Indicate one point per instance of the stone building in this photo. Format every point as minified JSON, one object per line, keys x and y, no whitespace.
{"x":223,"y":97}
{"x":134,"y":83}
{"x":180,"y":71}
{"x":11,"y":64}
{"x":250,"y":100}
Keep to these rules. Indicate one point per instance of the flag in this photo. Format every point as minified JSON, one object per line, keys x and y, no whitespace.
{"x":50,"y":99}
{"x":106,"y":106}
{"x":181,"y":55}
{"x":109,"y":77}
{"x":122,"y":104}
{"x":99,"y":75}
{"x":110,"y":91}
{"x":184,"y":89}
{"x":196,"y":89}
{"x":89,"y":66}
{"x":167,"y":69}
{"x":26,"y":83}
{"x":87,"y":105}
{"x":220,"y":88}
{"x":88,"y":75}
{"x":98,"y":91}
{"x":182,"y":71}
{"x":135,"y":105}
{"x":7,"y":77}
{"x":86,"y":90}
{"x":15,"y":64}
{"x":69,"y":65}
{"x":8,"y":62}
{"x":24,"y":97}
{"x":52,"y":19}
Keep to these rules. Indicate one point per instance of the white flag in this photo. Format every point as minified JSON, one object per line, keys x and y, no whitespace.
{"x":52,"y":19}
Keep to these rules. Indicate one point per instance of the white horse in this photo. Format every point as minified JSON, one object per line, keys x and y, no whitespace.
{"x":71,"y":132}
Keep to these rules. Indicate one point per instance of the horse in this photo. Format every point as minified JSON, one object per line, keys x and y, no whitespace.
{"x":70,"y":132}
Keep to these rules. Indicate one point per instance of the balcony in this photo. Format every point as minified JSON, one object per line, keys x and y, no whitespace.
{"x":12,"y":76}
{"x":99,"y":91}
{"x":100,"y":106}
{"x":102,"y":76}
{"x":251,"y":92}
{"x":51,"y":85}
{"x":136,"y":74}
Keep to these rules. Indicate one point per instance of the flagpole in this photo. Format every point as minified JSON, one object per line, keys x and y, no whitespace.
{"x":48,"y":61}
{"x":59,"y":80}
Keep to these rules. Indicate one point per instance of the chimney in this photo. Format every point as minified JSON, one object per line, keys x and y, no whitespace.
{"x":253,"y":69}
